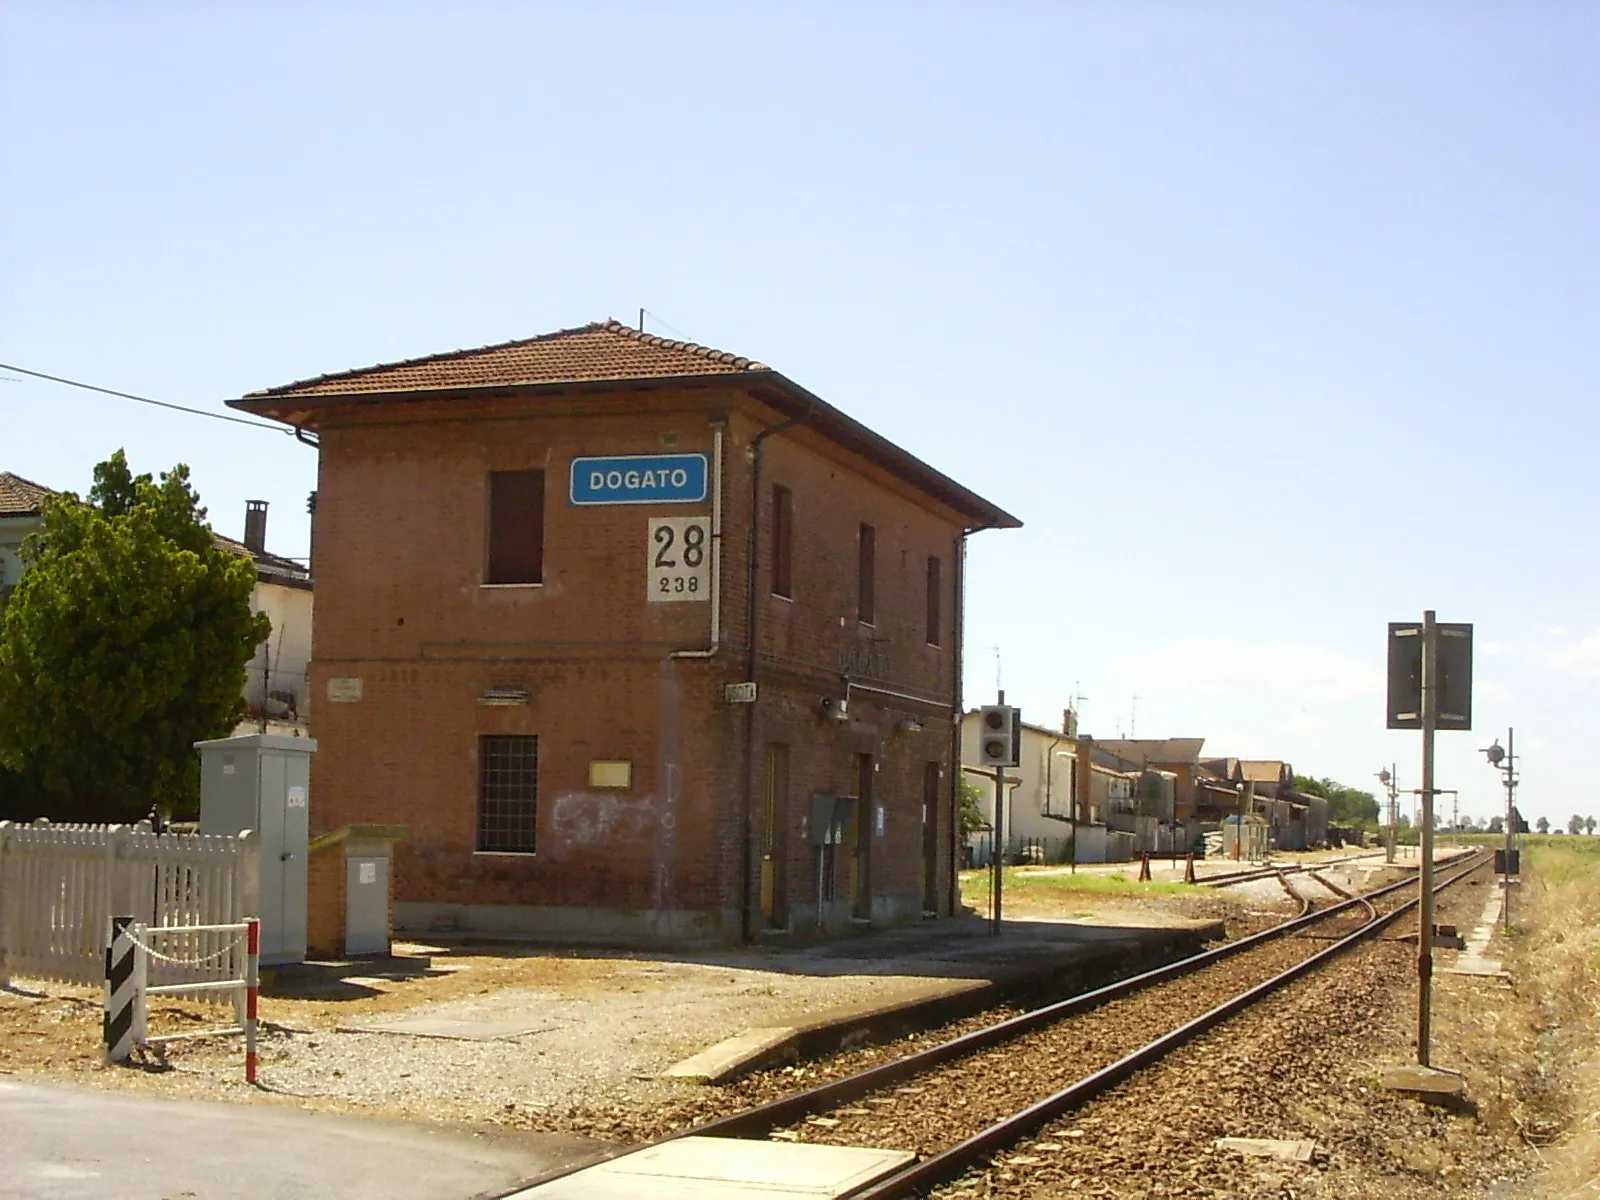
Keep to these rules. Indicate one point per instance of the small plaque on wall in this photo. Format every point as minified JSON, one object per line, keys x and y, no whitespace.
{"x":344,"y":691}
{"x":610,"y":773}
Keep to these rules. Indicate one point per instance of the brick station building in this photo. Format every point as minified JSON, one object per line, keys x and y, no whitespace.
{"x":641,"y":640}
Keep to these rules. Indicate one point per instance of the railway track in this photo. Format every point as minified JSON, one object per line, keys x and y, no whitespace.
{"x":1251,"y":874}
{"x":960,"y":1102}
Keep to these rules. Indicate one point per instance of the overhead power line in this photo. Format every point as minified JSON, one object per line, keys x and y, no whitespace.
{"x":198,"y":412}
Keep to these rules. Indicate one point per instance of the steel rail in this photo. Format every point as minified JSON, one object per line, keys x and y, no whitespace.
{"x":788,"y":1109}
{"x":1253,"y":873}
{"x":756,"y":1122}
{"x":1328,"y":883}
{"x":950,"y":1163}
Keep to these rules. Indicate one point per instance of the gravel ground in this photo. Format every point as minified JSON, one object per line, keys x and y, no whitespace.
{"x":1303,"y":1064}
{"x":959,"y":1098}
{"x":598,"y":1037}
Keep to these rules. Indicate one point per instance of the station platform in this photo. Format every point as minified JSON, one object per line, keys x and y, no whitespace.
{"x":705,"y":1168}
{"x":944,"y":970}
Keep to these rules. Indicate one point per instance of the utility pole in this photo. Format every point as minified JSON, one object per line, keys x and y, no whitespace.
{"x":1430,"y":719}
{"x":1511,"y":825}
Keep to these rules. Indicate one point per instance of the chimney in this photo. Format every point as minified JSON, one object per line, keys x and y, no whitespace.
{"x":255,"y":526}
{"x":1085,"y":779}
{"x":1069,"y":723}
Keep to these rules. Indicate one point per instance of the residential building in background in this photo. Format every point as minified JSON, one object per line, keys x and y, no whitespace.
{"x":275,"y":682}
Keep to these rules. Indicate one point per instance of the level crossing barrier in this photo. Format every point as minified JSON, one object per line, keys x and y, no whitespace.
{"x":200,"y":962}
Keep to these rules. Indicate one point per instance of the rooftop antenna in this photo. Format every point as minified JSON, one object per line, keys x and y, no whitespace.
{"x":641,"y":320}
{"x":996,"y":650}
{"x":1133,"y":719}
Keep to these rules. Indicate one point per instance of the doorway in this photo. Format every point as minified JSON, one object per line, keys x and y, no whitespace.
{"x":861,"y":842}
{"x":930,"y":839}
{"x":774,"y":857}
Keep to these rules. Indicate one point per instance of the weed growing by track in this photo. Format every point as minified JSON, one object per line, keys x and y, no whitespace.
{"x":1055,"y":883}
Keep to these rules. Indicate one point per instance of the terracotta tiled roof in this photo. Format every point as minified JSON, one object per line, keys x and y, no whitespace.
{"x":1154,"y":750}
{"x":595,"y":356}
{"x":20,"y":497}
{"x":597,"y":351}
{"x":1259,"y":770}
{"x":267,"y":562}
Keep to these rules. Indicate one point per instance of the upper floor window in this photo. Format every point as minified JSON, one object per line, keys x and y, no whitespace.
{"x":866,"y":569}
{"x":516,"y":527}
{"x":933,"y":599}
{"x":782,"y":542}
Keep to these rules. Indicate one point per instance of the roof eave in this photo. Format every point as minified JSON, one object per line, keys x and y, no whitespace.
{"x":773,"y":388}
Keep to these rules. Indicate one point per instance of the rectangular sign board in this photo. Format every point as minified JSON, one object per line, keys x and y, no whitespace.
{"x":639,"y":479}
{"x":678,"y":566}
{"x":1405,"y":675}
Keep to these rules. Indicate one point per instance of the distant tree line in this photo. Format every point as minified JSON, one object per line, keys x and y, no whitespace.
{"x":1346,"y":805}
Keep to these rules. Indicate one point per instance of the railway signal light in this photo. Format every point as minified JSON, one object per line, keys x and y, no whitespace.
{"x":999,"y":735}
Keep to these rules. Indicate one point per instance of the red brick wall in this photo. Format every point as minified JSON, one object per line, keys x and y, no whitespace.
{"x":401,"y":545}
{"x":325,"y":914}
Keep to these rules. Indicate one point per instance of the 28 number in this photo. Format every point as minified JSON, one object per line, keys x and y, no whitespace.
{"x":694,"y":547}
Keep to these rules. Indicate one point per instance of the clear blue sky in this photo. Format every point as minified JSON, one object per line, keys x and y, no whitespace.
{"x":1273,"y":322}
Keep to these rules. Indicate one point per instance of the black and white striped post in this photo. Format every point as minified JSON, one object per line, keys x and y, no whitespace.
{"x":121,"y":991}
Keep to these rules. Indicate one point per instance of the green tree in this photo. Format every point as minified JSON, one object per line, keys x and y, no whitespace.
{"x":1575,"y":824}
{"x":125,"y":642}
{"x":971,"y":815}
{"x":1542,"y":824}
{"x":1588,"y":825}
{"x":1346,"y":805}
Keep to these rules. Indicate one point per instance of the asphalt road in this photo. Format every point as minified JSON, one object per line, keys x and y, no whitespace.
{"x":65,"y":1144}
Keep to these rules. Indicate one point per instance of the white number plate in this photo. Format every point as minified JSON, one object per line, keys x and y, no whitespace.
{"x":679,"y":559}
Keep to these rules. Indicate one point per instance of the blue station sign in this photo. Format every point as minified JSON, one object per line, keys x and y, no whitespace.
{"x":639,"y":479}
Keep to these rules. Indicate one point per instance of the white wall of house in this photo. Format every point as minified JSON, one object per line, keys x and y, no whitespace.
{"x":1047,"y":769}
{"x":275,"y":680}
{"x":12,"y":532}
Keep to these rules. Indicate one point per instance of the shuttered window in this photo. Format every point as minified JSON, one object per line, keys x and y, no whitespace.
{"x":866,"y":569}
{"x":933,"y":600}
{"x":782,"y":542}
{"x":516,"y":527}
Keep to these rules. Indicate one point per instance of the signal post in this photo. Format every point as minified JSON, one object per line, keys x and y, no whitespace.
{"x":999,"y":747}
{"x":1430,"y":688}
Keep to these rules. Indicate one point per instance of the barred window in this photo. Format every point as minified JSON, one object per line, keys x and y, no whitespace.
{"x":508,"y":793}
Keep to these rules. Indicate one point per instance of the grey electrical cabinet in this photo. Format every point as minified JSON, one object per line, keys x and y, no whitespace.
{"x":262,"y":781}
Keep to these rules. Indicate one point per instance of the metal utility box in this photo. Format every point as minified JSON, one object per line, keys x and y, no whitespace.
{"x":262,"y":781}
{"x":366,"y":929}
{"x":351,"y":896}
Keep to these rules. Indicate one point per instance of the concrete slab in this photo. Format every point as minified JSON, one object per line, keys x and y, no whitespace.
{"x":1429,"y":1081}
{"x":1474,"y":961}
{"x":1297,"y":1150}
{"x":445,"y":1027}
{"x":693,"y":1168}
{"x":737,"y":1055}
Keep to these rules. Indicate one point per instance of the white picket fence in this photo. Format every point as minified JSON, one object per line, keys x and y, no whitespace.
{"x":60,"y":885}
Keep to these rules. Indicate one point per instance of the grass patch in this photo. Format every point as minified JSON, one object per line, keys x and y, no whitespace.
{"x":1035,"y":883}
